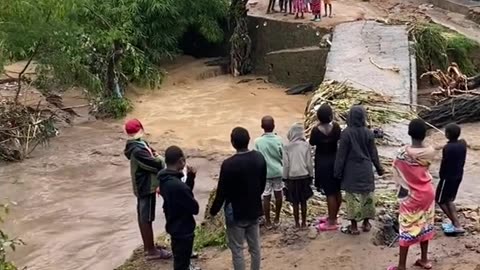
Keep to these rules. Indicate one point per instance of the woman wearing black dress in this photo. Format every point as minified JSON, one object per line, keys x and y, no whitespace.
{"x":325,"y":138}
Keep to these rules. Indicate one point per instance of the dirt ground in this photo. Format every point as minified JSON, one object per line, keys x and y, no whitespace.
{"x":74,"y":205}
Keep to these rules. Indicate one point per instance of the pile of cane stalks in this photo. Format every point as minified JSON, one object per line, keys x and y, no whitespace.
{"x":341,"y":96}
{"x":457,"y":98}
{"x":22,"y":129}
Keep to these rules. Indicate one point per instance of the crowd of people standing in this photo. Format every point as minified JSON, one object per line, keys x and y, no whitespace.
{"x":300,"y":7}
{"x":344,"y":160}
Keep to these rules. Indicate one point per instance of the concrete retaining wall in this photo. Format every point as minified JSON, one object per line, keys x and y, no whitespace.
{"x":272,"y":43}
{"x":294,"y":66}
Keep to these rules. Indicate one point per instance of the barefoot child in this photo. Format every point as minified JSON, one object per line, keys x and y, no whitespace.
{"x":270,"y":146}
{"x":298,"y":172}
{"x":451,"y":174}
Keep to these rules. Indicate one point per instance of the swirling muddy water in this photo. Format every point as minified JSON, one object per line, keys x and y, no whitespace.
{"x":74,"y":204}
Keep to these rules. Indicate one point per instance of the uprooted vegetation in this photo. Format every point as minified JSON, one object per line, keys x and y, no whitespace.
{"x":102,"y":45}
{"x":99,"y":46}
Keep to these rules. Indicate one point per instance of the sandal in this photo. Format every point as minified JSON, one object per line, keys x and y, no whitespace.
{"x":161,"y":254}
{"x":322,"y":220}
{"x":427,"y":265}
{"x":391,"y":267}
{"x":324,"y":227}
{"x":348,"y":230}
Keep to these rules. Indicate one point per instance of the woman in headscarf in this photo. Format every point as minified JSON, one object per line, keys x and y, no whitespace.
{"x":356,"y":154}
{"x":325,"y":138}
{"x":416,"y":195}
{"x":298,"y":172}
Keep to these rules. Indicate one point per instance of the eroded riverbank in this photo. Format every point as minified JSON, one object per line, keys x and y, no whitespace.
{"x":75,"y":208}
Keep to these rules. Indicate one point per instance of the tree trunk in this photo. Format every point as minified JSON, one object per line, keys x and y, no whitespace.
{"x":112,"y":63}
{"x":240,"y":42}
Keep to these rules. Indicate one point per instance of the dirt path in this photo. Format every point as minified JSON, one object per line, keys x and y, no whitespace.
{"x":75,"y":208}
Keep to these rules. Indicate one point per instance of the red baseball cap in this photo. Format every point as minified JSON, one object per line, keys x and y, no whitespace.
{"x":133,"y":127}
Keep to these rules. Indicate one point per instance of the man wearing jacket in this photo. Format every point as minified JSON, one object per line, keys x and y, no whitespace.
{"x":144,"y":165}
{"x":179,"y":206}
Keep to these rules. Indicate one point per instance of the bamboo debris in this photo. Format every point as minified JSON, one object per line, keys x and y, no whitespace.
{"x":342,"y":96}
{"x":22,"y":129}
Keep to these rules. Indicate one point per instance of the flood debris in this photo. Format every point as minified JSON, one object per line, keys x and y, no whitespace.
{"x":27,"y":120}
{"x":457,"y":98}
{"x":22,"y":129}
{"x":341,"y":96}
{"x":453,"y":82}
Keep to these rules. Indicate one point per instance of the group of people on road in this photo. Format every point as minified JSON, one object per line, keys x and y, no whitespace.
{"x":344,"y":160}
{"x":300,"y":7}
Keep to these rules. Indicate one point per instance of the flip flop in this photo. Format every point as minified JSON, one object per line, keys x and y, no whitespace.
{"x":162,"y":254}
{"x":324,"y":227}
{"x":391,"y":267}
{"x":348,"y":230}
{"x":322,"y":220}
{"x":419,"y":263}
{"x":459,"y":231}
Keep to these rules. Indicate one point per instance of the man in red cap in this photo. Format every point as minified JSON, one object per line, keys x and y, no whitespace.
{"x":144,"y":166}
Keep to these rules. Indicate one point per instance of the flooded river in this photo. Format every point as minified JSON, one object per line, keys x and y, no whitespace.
{"x":75,"y":208}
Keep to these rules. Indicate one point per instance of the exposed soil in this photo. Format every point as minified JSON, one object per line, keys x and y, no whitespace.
{"x":75,"y":208}
{"x":74,"y":204}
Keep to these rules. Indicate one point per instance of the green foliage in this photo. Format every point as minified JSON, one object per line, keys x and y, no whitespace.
{"x":114,"y":107}
{"x":94,"y":44}
{"x":6,"y":242}
{"x":213,"y":237}
{"x":436,"y":47}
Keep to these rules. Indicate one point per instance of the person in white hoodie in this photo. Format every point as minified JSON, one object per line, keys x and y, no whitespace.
{"x":298,"y":172}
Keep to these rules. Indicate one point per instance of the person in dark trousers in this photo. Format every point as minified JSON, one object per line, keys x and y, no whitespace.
{"x":179,"y":206}
{"x":144,"y":166}
{"x":271,"y":7}
{"x":454,"y":155}
{"x":325,"y":138}
{"x":242,"y":181}
{"x":353,"y":164}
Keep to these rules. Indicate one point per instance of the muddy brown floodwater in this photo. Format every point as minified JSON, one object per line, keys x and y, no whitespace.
{"x":75,"y":208}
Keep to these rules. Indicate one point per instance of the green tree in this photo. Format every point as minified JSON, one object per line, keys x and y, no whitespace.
{"x":104,"y":45}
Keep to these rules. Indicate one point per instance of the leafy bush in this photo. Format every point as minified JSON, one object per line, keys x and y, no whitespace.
{"x":101,"y":45}
{"x":436,"y":47}
{"x":113,"y":107}
{"x":6,"y":242}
